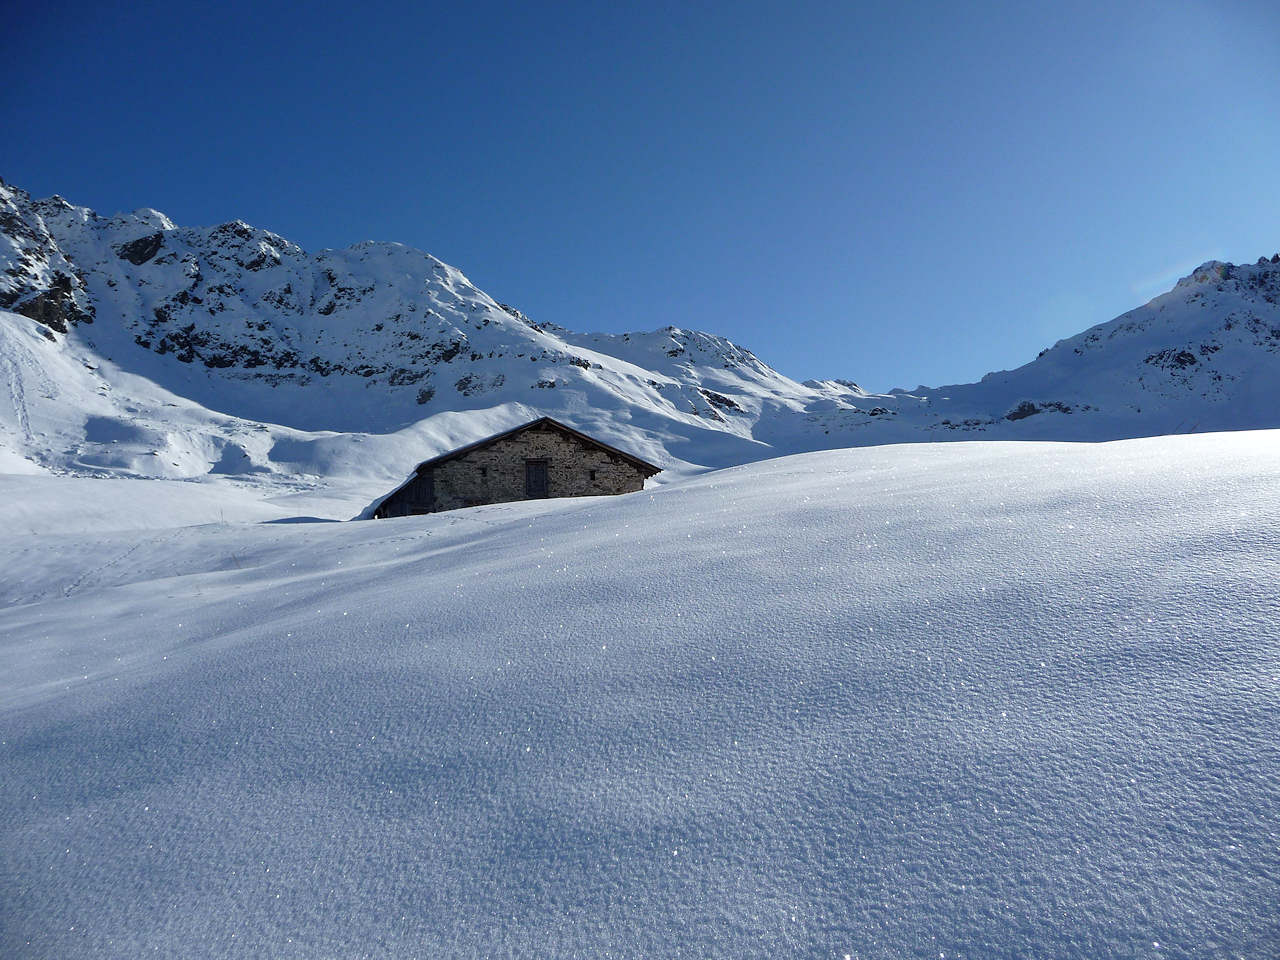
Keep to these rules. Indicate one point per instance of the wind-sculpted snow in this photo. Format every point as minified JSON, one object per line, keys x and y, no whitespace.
{"x":958,"y":700}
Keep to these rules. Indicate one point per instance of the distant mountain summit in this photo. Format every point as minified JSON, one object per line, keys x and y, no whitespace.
{"x":134,"y":346}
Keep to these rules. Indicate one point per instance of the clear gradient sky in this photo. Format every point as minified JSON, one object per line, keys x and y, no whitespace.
{"x":897,"y":193}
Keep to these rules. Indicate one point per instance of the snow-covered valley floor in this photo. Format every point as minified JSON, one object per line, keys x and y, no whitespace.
{"x":963,"y":700}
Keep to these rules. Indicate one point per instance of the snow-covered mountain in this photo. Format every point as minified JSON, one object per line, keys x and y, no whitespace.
{"x":132,"y":346}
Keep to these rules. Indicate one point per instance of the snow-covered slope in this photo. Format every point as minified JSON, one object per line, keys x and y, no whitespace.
{"x":938,"y":700}
{"x":369,"y":340}
{"x":135,"y":347}
{"x":1204,"y":356}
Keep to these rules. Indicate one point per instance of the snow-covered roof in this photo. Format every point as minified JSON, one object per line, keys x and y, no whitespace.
{"x":647,"y":468}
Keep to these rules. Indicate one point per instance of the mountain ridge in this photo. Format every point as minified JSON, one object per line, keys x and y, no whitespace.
{"x":354,"y":363}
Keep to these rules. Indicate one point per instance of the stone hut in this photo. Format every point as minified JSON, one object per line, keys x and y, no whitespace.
{"x":542,"y":458}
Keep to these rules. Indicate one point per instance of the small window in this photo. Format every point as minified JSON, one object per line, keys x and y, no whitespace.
{"x":593,"y":474}
{"x":484,"y":471}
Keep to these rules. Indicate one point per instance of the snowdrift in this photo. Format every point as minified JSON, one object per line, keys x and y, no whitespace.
{"x":984,"y":700}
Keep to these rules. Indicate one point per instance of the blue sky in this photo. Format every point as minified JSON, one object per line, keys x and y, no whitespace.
{"x":895,"y":193}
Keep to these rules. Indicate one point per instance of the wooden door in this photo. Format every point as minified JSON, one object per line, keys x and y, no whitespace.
{"x":535,"y":479}
{"x":422,"y":494}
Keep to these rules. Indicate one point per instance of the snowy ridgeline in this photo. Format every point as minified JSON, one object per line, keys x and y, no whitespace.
{"x":965,"y":700}
{"x":137,"y":347}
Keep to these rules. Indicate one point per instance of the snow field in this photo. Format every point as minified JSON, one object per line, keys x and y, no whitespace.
{"x":961,"y":700}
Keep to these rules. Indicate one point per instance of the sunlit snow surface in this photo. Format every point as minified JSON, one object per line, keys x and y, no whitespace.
{"x":966,"y":700}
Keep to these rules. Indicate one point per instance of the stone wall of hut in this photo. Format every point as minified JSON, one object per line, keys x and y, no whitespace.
{"x":496,"y":474}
